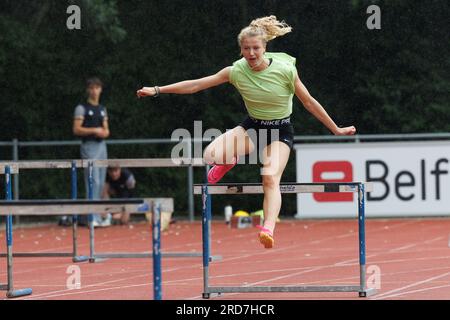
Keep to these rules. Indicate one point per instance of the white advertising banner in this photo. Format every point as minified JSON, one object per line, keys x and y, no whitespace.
{"x":409,"y":178}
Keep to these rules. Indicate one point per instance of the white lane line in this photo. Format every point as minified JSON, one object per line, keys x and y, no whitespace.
{"x":415,"y":291}
{"x":415,"y":284}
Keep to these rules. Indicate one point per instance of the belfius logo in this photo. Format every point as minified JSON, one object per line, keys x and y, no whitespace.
{"x":332,"y":171}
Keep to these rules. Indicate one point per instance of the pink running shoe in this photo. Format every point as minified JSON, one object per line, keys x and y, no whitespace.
{"x":266,"y":237}
{"x":218,"y":171}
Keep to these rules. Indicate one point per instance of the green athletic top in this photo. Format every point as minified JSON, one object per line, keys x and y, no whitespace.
{"x":268,"y":93}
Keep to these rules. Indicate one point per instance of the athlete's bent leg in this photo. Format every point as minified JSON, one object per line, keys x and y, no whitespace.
{"x":224,"y":151}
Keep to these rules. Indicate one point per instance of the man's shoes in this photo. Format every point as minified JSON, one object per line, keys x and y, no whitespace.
{"x":105,"y":222}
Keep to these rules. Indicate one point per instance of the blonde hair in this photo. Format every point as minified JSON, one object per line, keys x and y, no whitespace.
{"x":268,"y":28}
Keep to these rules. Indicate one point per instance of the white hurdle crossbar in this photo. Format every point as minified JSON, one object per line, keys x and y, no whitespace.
{"x":66,"y":206}
{"x":256,"y":188}
{"x":15,"y":166}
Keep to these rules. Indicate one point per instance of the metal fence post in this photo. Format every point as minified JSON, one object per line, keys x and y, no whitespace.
{"x":190,"y":176}
{"x":15,"y":156}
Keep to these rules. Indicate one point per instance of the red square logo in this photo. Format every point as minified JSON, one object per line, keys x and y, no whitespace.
{"x":333,"y":171}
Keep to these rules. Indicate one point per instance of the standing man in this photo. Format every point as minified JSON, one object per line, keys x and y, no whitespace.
{"x":91,"y":124}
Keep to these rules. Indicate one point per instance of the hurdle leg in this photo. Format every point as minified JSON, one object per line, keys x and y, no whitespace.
{"x":11,"y":293}
{"x":363,"y":291}
{"x":91,"y":216}
{"x":74,"y":196}
{"x":156,"y":236}
{"x":206,"y":212}
{"x":218,"y":257}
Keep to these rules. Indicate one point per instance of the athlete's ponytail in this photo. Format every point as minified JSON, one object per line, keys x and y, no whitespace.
{"x":267,"y":27}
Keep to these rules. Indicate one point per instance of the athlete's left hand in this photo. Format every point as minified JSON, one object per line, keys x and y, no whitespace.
{"x":346,"y":131}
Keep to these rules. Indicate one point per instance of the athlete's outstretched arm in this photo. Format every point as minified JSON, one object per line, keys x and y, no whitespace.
{"x":316,"y":109}
{"x":189,"y":86}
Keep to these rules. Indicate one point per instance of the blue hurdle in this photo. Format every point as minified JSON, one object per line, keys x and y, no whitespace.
{"x":74,"y":194}
{"x":255,"y":188}
{"x":56,"y":207}
{"x":156,"y":236}
{"x":9,"y":286}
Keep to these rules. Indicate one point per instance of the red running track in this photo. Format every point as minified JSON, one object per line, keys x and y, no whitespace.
{"x":411,"y":255}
